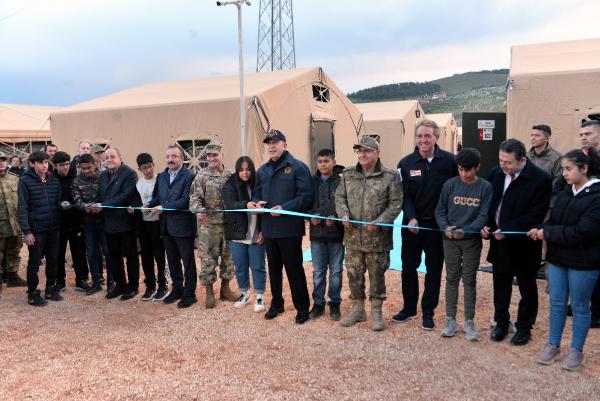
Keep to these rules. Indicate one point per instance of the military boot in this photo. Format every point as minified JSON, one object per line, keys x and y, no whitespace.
{"x":356,"y":314}
{"x":210,"y":297}
{"x":13,"y":280}
{"x":376,"y":314}
{"x":226,"y":293}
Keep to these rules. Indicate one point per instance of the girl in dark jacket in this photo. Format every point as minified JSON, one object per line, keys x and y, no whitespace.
{"x":573,"y":256}
{"x":243,"y":230}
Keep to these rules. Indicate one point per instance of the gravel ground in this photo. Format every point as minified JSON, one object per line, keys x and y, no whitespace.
{"x":89,"y":348}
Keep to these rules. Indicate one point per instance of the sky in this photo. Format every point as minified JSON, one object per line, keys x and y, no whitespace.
{"x":62,"y":52}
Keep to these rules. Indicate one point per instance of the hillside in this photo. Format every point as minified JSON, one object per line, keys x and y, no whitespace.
{"x":470,"y":91}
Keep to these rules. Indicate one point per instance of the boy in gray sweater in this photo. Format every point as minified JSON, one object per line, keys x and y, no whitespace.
{"x":461,"y":212}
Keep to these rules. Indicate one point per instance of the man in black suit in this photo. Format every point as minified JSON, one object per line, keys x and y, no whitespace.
{"x":178,"y":229}
{"x":521,"y":199}
{"x":117,"y":188}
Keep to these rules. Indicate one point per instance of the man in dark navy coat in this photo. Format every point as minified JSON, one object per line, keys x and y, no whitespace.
{"x":117,"y":188}
{"x":178,"y":228}
{"x":521,"y":199}
{"x":284,"y":183}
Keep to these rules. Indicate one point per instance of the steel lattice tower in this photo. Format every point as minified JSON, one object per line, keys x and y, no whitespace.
{"x":276,"y":48}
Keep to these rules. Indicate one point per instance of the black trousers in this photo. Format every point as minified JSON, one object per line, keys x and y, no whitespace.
{"x":152,"y":250}
{"x":77,"y":247}
{"x":181,"y":249}
{"x":596,"y":301}
{"x":287,"y":252}
{"x":124,"y":245}
{"x":503,"y":277}
{"x":413,"y":245}
{"x":46,"y":243}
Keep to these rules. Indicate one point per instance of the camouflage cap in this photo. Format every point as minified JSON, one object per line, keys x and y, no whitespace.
{"x":97,"y":149}
{"x":214,"y":146}
{"x":367,"y":142}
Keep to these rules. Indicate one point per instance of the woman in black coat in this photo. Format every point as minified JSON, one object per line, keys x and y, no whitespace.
{"x":573,"y":256}
{"x":243,"y":231}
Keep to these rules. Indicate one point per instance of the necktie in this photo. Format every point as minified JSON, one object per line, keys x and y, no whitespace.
{"x":512,"y":178}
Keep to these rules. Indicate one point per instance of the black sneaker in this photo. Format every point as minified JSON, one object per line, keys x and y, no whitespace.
{"x":273,"y":312}
{"x":521,"y":338}
{"x":129,"y":294}
{"x":595,"y":322}
{"x":186,"y":302}
{"x":161,"y":294}
{"x":172,"y":297}
{"x":60,"y":286}
{"x":302,"y":317}
{"x":428,"y":323}
{"x":317,"y":311}
{"x":116,"y":292}
{"x":52,"y":295}
{"x":94,"y":289}
{"x":403,"y":316}
{"x":82,"y":286}
{"x":110,"y":287}
{"x":36,"y":299}
{"x":148,"y":294}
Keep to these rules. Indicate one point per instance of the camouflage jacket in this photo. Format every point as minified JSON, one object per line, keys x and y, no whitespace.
{"x":9,"y":189}
{"x":85,"y":190}
{"x":374,"y":197}
{"x":207,"y":192}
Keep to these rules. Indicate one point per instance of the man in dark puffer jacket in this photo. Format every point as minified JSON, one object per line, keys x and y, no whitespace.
{"x":40,"y":220}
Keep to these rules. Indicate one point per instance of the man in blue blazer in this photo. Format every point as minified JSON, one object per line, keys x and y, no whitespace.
{"x":178,"y":228}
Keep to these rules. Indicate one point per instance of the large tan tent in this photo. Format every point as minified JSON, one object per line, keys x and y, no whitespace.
{"x":394,"y":123}
{"x":305,"y":104}
{"x":448,"y":139}
{"x":556,"y":84}
{"x":24,"y":128}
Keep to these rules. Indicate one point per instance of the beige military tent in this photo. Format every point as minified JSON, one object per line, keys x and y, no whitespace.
{"x":394,"y":123}
{"x":448,"y":139}
{"x":556,"y":84}
{"x":24,"y":128}
{"x":304,"y":104}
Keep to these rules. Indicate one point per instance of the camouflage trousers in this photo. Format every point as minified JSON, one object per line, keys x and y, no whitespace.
{"x":10,"y":247}
{"x":212,"y":246}
{"x":376,"y":263}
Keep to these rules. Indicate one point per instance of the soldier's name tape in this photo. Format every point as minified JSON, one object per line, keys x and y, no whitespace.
{"x":303,"y":215}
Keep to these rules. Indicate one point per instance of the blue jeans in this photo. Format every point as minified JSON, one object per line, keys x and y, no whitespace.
{"x":249,"y":257}
{"x":324,"y":255}
{"x":579,"y":285}
{"x":95,"y":246}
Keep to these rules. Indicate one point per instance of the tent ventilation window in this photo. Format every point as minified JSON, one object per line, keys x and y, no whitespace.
{"x":320,"y":93}
{"x":194,"y":156}
{"x":418,"y":113}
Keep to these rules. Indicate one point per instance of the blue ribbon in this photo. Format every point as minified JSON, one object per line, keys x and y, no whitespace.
{"x":303,"y":215}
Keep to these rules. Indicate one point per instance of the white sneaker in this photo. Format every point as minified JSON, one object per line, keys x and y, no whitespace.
{"x":242,"y":300}
{"x":259,"y":306}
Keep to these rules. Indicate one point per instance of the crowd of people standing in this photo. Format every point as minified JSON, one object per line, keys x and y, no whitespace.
{"x":534,"y":200}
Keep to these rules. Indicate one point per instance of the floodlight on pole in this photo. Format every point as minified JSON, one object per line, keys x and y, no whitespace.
{"x":239,"y":4}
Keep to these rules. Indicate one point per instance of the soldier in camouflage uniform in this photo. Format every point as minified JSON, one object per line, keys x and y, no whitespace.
{"x":206,"y":193}
{"x":10,"y":230}
{"x":367,"y":192}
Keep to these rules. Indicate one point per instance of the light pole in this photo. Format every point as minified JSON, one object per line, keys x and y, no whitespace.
{"x":239,"y":4}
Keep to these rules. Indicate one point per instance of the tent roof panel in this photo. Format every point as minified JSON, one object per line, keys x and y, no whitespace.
{"x":21,"y":117}
{"x":555,"y":57}
{"x":192,"y":91}
{"x":383,"y":111}
{"x":442,"y":119}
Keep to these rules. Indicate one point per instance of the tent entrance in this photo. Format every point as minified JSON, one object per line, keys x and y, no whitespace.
{"x":321,"y":137}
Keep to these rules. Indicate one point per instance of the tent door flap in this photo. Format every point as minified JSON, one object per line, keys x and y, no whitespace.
{"x":322,"y":137}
